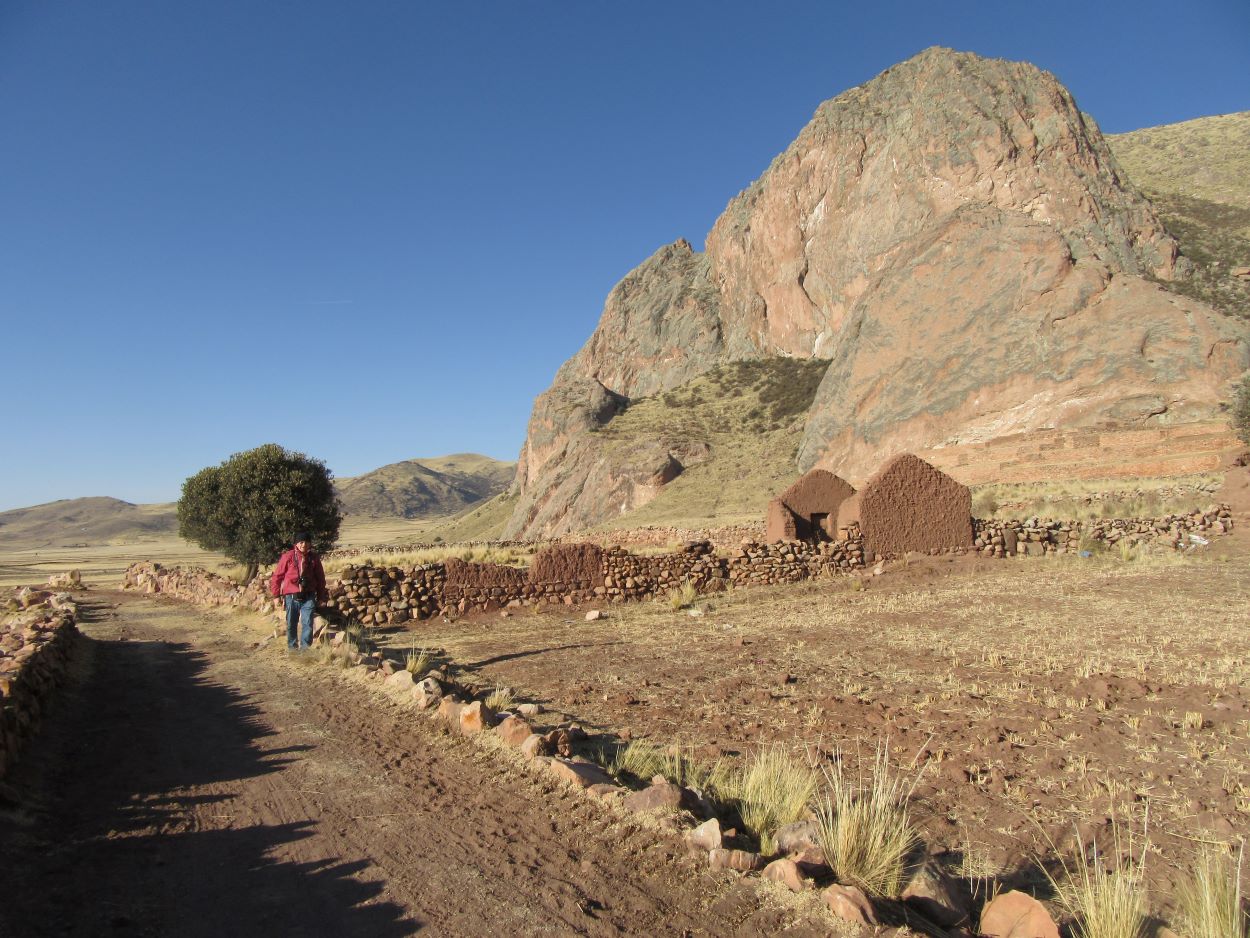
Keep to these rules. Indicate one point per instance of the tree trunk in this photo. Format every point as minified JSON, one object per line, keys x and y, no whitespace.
{"x":251,"y":573}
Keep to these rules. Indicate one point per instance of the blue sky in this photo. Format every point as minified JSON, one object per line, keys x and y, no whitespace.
{"x":372,"y":231}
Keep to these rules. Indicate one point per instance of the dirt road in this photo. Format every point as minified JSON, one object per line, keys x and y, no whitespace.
{"x":187,"y":784}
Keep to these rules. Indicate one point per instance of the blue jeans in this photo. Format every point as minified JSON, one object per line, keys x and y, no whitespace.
{"x":301,"y":611}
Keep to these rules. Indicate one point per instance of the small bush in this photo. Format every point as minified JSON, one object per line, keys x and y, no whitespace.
{"x":771,"y":790}
{"x":865,"y":829}
{"x":1210,"y":901}
{"x":984,"y":504}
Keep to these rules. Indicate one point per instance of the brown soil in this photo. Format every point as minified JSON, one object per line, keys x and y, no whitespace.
{"x":187,"y":784}
{"x":1041,"y":696}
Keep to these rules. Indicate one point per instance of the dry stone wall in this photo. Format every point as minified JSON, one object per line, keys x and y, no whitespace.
{"x":36,"y":634}
{"x":568,"y":574}
{"x":1040,"y":536}
{"x":577,"y":573}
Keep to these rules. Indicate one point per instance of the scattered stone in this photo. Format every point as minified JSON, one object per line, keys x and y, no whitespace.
{"x":402,"y":679}
{"x":581,"y":774}
{"x":559,"y":741}
{"x":428,"y":693}
{"x":743,"y":861}
{"x":707,"y":836}
{"x":475,"y":717}
{"x":787,"y":873}
{"x":449,"y":709}
{"x":799,"y":837}
{"x":529,"y":710}
{"x":535,"y":746}
{"x":659,"y":796}
{"x":595,"y":615}
{"x":514,"y":731}
{"x":850,"y":904}
{"x":1017,"y":915}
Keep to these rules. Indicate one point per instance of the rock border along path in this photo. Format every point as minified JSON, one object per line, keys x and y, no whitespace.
{"x":192,"y":784}
{"x":678,"y":818}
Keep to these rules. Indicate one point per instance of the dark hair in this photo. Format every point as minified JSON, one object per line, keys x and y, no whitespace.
{"x":301,"y":536}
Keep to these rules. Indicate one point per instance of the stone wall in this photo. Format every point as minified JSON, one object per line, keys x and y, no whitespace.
{"x":569,"y":574}
{"x":1039,"y":536}
{"x":36,"y":634}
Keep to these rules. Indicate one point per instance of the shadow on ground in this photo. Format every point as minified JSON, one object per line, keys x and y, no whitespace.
{"x":104,"y":838}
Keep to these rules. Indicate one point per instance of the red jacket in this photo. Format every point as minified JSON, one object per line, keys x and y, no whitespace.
{"x":285,"y":578}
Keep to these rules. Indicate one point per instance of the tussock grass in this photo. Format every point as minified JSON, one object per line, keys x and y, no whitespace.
{"x":507,"y":556}
{"x":417,"y":662}
{"x":1105,"y":895}
{"x":501,"y":698}
{"x":771,"y":790}
{"x":865,"y":829}
{"x":1210,"y":900}
{"x":683,"y":597}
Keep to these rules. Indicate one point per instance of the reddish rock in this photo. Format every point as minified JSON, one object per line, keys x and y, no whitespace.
{"x":661,"y":795}
{"x":559,"y":741}
{"x":787,"y":873}
{"x":399,"y":680}
{"x":850,"y":904}
{"x":514,"y":731}
{"x":608,"y":792}
{"x":535,"y":746}
{"x":449,"y":709}
{"x":581,"y":774}
{"x":1017,"y":915}
{"x":741,"y":860}
{"x":707,"y":836}
{"x":475,"y":718}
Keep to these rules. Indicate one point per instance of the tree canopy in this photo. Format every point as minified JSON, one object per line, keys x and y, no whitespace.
{"x":251,"y":505}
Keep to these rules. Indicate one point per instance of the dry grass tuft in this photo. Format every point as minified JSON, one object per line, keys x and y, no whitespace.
{"x":1210,"y":901}
{"x":865,"y":828}
{"x":501,"y":698}
{"x":1105,"y":895}
{"x":417,"y":662}
{"x":771,"y":790}
{"x":683,"y":597}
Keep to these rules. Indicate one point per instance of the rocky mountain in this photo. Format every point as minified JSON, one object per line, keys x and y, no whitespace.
{"x":956,"y":238}
{"x":84,"y":521}
{"x":424,"y":488}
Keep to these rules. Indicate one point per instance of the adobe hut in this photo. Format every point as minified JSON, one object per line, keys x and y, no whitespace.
{"x":807,"y":510}
{"x":909,"y":505}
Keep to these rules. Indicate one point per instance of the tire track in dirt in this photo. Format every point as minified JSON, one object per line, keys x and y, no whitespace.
{"x":187,"y":784}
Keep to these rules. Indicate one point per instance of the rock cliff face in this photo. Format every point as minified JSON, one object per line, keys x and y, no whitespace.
{"x":956,"y":237}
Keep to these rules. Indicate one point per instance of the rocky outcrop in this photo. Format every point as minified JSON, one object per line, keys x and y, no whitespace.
{"x":956,"y":236}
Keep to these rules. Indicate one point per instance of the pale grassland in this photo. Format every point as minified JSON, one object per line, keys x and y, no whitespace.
{"x":1206,"y":158}
{"x":102,"y":565}
{"x":509,"y":556}
{"x":1118,"y":498}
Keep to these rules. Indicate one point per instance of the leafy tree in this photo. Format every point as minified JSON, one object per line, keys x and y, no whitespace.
{"x":250,"y":506}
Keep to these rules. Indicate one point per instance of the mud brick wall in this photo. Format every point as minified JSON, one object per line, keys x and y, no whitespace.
{"x":1042,"y":536}
{"x":36,"y":636}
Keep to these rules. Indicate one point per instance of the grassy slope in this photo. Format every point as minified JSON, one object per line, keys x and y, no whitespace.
{"x":1197,"y":173}
{"x":424,"y":488}
{"x":750,"y":414}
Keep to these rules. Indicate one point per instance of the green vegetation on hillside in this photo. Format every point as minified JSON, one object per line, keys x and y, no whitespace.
{"x":484,"y":522}
{"x":748,"y":415}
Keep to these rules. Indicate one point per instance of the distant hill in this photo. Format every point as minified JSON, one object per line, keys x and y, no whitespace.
{"x":84,"y":521}
{"x":425,"y":488}
{"x":1197,"y":175}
